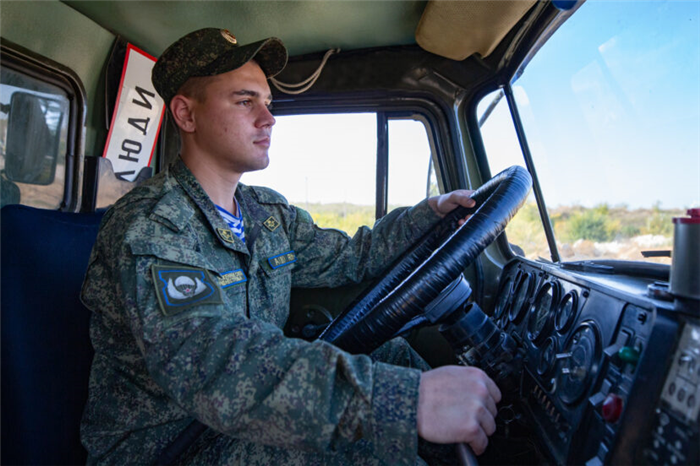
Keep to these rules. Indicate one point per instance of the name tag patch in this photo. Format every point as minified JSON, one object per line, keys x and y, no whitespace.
{"x":178,"y":288}
{"x":283,"y":259}
{"x":234,"y":277}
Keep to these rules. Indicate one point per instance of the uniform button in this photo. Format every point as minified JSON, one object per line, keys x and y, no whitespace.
{"x":672,"y":388}
{"x":656,"y":444}
{"x":674,"y":459}
{"x":679,"y":445}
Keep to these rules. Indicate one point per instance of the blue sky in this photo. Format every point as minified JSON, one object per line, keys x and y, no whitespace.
{"x":614,"y":100}
{"x":611,"y":106}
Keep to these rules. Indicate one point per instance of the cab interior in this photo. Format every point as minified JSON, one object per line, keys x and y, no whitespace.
{"x":605,"y":344}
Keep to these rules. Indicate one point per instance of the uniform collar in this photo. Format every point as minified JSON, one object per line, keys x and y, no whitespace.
{"x":253,"y":214}
{"x":194,"y":190}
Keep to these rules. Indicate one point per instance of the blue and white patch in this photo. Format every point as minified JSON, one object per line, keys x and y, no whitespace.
{"x":179,"y":288}
{"x":234,"y":277}
{"x":280,"y":260}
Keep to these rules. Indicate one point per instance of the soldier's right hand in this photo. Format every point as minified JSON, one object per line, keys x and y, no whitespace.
{"x":457,"y":404}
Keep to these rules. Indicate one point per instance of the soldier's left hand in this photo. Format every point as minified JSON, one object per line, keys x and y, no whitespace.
{"x":444,"y":204}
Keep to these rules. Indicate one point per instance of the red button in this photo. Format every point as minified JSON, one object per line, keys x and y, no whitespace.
{"x":612,"y":408}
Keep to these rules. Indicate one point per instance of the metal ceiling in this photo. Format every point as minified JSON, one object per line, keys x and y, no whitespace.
{"x":305,"y":26}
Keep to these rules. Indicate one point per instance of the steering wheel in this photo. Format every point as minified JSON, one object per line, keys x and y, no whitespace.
{"x":428,"y":267}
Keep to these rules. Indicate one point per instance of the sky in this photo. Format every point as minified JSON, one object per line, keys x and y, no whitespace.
{"x":332,"y":158}
{"x":610,"y":104}
{"x":611,"y":107}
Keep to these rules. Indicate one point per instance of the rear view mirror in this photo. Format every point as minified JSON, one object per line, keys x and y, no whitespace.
{"x":33,"y":136}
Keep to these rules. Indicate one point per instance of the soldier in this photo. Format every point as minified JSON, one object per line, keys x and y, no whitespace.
{"x":189,"y":284}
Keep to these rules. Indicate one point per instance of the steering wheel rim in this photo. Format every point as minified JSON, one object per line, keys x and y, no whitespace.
{"x":421,"y":274}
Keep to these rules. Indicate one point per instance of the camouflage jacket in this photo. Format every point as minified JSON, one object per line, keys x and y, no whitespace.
{"x":187,"y":324}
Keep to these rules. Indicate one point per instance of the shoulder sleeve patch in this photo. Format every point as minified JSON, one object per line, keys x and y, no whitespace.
{"x":179,"y":288}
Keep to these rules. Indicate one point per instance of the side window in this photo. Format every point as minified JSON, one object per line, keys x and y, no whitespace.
{"x":327,"y":165}
{"x":525,"y":231}
{"x":411,"y":174}
{"x":34,"y":117}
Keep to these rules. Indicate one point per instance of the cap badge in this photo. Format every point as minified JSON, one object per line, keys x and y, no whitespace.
{"x":229,"y":37}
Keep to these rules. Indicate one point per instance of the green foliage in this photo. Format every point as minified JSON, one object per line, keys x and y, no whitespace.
{"x":588,"y":225}
{"x":525,"y":230}
{"x":599,"y":224}
{"x":345,"y":217}
{"x":659,"y":222}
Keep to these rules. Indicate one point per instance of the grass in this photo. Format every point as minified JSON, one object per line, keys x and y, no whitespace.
{"x":582,"y":233}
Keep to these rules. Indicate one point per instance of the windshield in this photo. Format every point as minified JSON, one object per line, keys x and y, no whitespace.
{"x":611,"y":111}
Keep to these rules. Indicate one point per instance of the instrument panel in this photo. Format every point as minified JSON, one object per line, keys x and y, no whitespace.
{"x":596,"y":353}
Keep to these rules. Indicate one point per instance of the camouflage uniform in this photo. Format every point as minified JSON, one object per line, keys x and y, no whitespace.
{"x":209,"y":346}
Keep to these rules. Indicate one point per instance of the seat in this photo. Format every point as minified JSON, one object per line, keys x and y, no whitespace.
{"x":46,"y":349}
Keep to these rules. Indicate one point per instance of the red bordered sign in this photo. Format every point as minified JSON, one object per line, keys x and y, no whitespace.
{"x":137,"y":117}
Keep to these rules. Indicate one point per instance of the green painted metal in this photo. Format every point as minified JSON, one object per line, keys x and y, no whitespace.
{"x":305,"y":26}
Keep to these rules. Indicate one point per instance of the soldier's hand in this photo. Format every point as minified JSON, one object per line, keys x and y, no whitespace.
{"x":444,"y":204}
{"x":457,"y":404}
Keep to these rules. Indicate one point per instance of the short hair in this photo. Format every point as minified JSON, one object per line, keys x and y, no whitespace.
{"x":194,"y":88}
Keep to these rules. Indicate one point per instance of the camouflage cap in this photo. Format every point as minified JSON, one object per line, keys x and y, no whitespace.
{"x":212,"y":51}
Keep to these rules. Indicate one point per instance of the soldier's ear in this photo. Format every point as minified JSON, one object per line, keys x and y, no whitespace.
{"x":181,"y":108}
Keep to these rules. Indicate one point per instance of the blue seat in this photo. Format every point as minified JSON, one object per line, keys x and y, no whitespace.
{"x":46,"y":349}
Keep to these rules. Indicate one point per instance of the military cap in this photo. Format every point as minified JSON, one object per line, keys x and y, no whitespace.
{"x":212,"y":51}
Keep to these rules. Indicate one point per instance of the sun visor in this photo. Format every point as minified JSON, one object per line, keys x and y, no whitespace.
{"x":457,"y":29}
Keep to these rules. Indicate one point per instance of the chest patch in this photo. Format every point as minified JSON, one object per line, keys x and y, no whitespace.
{"x":280,"y":260}
{"x":225,"y":234}
{"x":271,"y":223}
{"x":178,"y":288}
{"x":234,"y":277}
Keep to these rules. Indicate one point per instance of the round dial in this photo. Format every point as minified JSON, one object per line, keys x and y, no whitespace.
{"x":504,"y":298}
{"x":523,"y":288}
{"x":547,"y":360}
{"x":542,"y":310}
{"x":566,"y":312}
{"x":578,"y":363}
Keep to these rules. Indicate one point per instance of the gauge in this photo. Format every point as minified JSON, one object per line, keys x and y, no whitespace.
{"x":547,"y":357}
{"x":539,"y":322}
{"x":523,"y":288}
{"x":566,"y":312}
{"x":578,"y":363}
{"x":504,"y":296}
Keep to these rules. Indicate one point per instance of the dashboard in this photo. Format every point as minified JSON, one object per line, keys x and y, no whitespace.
{"x":607,"y":373}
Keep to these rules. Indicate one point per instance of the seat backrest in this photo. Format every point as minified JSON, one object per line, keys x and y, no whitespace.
{"x":46,"y":349}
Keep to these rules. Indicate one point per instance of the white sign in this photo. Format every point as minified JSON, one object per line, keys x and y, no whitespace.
{"x":136,"y":119}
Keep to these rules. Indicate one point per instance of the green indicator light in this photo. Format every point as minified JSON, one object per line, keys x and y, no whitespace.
{"x":628,"y":354}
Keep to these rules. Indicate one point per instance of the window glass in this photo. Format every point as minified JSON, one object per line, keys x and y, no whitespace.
{"x":325,"y":164}
{"x":525,"y":232}
{"x":33,"y":139}
{"x":411,"y":176}
{"x":611,"y":109}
